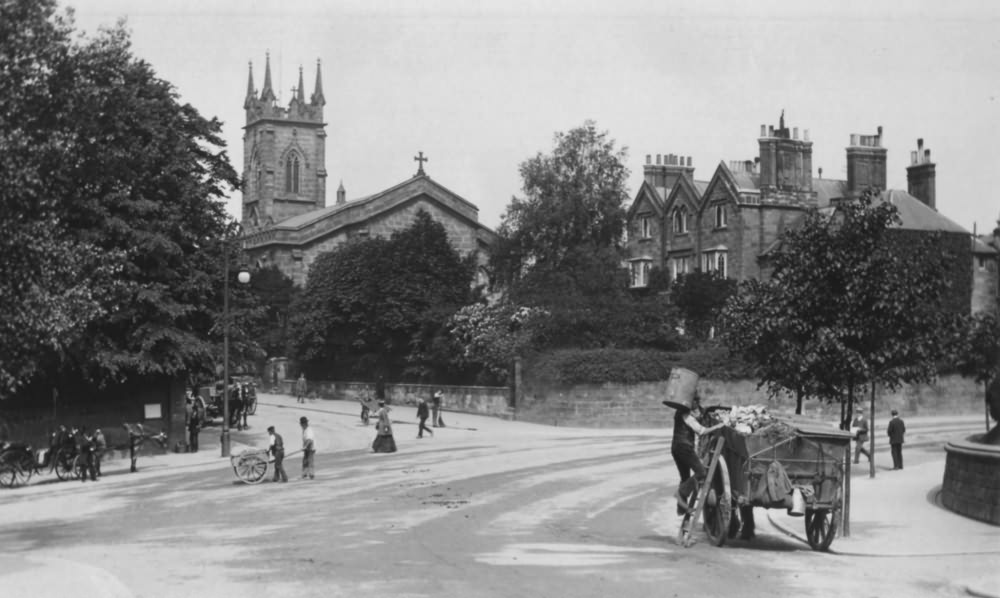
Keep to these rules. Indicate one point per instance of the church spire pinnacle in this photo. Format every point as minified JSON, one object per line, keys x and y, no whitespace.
{"x":317,"y":96}
{"x":251,"y":93}
{"x":300,"y":93}
{"x":267,"y":94}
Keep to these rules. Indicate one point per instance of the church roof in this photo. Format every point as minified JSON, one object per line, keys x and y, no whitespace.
{"x":363,"y":206}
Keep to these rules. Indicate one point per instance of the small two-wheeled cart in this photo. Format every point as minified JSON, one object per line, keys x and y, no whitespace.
{"x":251,"y":465}
{"x":813,"y":457}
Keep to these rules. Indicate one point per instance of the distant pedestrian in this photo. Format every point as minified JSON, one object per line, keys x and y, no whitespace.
{"x":236,"y":405}
{"x":194,"y":427}
{"x":87,"y":449}
{"x":308,"y":449}
{"x":300,"y":389}
{"x":384,"y":441}
{"x":422,"y":414}
{"x":276,"y":447}
{"x":100,"y":445}
{"x":437,"y":409}
{"x":896,"y":431}
{"x":136,"y":436}
{"x":860,"y":428}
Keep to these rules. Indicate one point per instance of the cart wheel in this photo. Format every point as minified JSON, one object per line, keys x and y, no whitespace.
{"x":821,"y":527}
{"x":65,"y":464}
{"x":250,"y":468}
{"x":718,"y":508}
{"x":79,"y":472}
{"x":8,"y":474}
{"x":23,"y":468}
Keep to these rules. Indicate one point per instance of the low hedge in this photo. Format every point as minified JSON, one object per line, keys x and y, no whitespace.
{"x":628,"y":366}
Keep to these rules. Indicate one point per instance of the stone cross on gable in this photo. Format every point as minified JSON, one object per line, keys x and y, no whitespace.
{"x":421,"y":159}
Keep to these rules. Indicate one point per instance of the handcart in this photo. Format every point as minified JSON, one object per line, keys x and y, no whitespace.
{"x":251,"y":465}
{"x":741,"y":467}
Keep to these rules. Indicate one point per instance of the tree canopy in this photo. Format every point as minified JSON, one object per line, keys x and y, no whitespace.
{"x":112,"y":224}
{"x":380,"y":306}
{"x":849,"y":303}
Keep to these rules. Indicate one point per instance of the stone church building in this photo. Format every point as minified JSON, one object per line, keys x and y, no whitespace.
{"x":286,"y":220}
{"x":728,"y":223}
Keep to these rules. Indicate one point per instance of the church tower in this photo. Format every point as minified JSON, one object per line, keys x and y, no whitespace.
{"x":284,"y":172}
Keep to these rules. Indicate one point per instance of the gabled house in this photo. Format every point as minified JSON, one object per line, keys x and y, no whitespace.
{"x":729,"y":223}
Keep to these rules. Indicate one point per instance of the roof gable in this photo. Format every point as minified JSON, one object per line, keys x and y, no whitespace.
{"x":687,"y":192}
{"x":646,"y":194}
{"x":722,"y":178}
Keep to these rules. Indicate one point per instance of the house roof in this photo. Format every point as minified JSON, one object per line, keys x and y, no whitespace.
{"x":654,"y":198}
{"x":746,"y":181}
{"x":981,"y":245}
{"x":827,"y":190}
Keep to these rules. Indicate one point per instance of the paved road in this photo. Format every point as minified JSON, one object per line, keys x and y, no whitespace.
{"x":504,"y":509}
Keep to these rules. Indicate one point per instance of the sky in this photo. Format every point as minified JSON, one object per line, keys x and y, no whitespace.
{"x":480,"y":87}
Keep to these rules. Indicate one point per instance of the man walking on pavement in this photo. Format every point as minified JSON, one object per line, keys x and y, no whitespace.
{"x":436,"y":409}
{"x":896,"y":431}
{"x":860,"y":428}
{"x":276,"y":447}
{"x":422,"y":415}
{"x":300,"y":389}
{"x":308,"y":449}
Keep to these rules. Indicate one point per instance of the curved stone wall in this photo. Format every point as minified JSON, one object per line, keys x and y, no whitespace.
{"x":972,"y":480}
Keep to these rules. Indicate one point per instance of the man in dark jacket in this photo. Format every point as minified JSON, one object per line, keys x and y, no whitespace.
{"x":194,"y":427}
{"x":277,"y":448}
{"x":896,"y":431}
{"x":422,"y":414}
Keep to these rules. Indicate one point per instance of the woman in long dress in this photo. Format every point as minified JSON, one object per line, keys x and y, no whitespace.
{"x":384,"y":442}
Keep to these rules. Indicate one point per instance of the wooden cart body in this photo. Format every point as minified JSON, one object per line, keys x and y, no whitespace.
{"x":812,"y":456}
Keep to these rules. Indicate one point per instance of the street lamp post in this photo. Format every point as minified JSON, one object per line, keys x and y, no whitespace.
{"x":244,"y":278}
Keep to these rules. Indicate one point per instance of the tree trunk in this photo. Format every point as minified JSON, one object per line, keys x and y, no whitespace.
{"x":871,"y":436}
{"x":798,"y":403}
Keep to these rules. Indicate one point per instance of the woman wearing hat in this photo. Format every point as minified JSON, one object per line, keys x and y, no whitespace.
{"x":682,"y":395}
{"x":384,"y":442}
{"x":308,"y":449}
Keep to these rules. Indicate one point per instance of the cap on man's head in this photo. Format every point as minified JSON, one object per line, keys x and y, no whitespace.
{"x":894,"y":412}
{"x":303,"y":420}
{"x":381,"y":403}
{"x":270,"y":428}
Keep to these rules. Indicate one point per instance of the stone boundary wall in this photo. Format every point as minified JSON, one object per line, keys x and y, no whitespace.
{"x":639,"y":405}
{"x":971,"y":484}
{"x":484,"y":400}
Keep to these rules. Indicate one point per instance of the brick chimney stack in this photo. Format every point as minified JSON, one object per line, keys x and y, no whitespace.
{"x":920,"y":175}
{"x":667,"y":170}
{"x":866,"y":163}
{"x":785,"y":160}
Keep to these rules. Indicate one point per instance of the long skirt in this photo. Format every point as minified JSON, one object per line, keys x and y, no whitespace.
{"x":384,"y":443}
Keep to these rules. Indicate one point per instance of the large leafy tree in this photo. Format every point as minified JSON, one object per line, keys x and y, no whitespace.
{"x":559,"y":248}
{"x":116,"y":182}
{"x":852,"y":301}
{"x":380,"y":306}
{"x":273,"y":292}
{"x":977,"y":355}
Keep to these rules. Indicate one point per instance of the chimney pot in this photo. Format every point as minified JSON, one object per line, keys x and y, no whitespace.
{"x":854,"y":139}
{"x":763,"y":130}
{"x":770,"y":130}
{"x":689,"y":161}
{"x":820,"y":172}
{"x":920,"y":144}
{"x":927,"y":156}
{"x":879,"y":130}
{"x":657,"y":159}
{"x":913,"y":157}
{"x":649,"y":159}
{"x":805,"y":134}
{"x":795,"y":133}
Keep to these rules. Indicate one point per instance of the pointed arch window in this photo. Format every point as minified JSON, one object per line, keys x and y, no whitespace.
{"x":680,"y":220}
{"x":292,"y":174}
